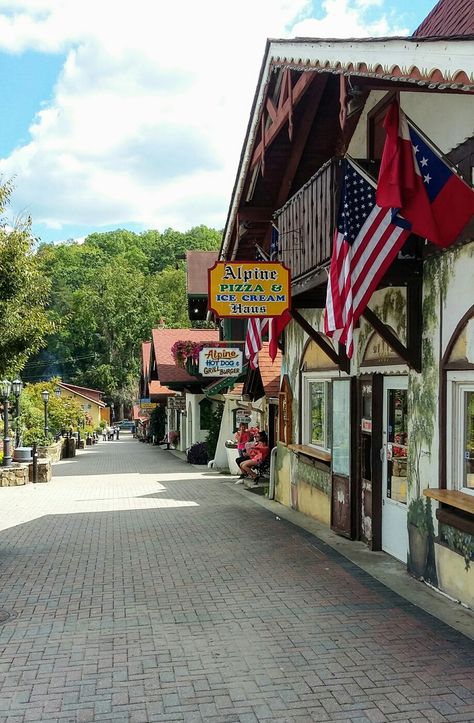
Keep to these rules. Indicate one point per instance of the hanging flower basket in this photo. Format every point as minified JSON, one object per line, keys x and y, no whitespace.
{"x":192,"y":367}
{"x":186,"y":354}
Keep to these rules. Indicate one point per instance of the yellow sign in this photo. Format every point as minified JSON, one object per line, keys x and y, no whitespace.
{"x":246,"y":289}
{"x":145,"y":406}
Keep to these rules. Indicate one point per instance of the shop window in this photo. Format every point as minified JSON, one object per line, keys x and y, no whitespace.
{"x":205,"y":412}
{"x":460,"y":426}
{"x":316,"y":401}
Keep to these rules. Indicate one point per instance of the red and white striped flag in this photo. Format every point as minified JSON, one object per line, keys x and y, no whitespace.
{"x":257,"y":327}
{"x":365,"y":244}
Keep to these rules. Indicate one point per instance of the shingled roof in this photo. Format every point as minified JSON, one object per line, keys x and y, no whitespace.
{"x":448,"y":18}
{"x":163,"y":339}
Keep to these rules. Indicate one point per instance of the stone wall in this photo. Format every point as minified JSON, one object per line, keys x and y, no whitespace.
{"x":14,"y":476}
{"x":44,"y":470}
{"x":53,"y":451}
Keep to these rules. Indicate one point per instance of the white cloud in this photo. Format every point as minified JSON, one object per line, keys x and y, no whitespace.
{"x":149,"y":113}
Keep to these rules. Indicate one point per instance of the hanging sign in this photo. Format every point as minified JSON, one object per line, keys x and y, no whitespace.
{"x":242,"y":416}
{"x":220,"y":362}
{"x":146,"y":406}
{"x":177,"y":403}
{"x":245,"y":289}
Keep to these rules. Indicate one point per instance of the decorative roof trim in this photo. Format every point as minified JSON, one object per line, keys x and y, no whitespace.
{"x":439,"y":63}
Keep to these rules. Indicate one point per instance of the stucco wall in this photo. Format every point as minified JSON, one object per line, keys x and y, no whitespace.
{"x":447,"y":126}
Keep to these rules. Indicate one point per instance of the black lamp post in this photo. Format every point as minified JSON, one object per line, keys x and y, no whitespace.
{"x":5,"y":389}
{"x":17,"y":386}
{"x":45,"y":397}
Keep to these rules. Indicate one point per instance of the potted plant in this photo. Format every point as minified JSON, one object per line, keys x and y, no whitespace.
{"x":417,"y":536}
{"x":232,"y":454}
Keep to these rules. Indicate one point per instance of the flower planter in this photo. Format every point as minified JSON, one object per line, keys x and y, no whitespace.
{"x":232,"y":454}
{"x":418,"y":550}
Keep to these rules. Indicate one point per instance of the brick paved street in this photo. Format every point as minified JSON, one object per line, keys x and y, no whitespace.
{"x":141,"y":589}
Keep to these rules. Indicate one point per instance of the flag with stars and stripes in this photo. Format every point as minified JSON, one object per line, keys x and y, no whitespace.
{"x":424,"y":192}
{"x":257,"y":327}
{"x":366,"y":241}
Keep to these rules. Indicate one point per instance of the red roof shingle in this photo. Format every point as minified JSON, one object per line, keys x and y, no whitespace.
{"x":156,"y":389}
{"x":197,"y":265}
{"x":448,"y":18}
{"x":269,"y":372}
{"x":163,"y":340}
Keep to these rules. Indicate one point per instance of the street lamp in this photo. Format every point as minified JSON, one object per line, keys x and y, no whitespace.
{"x":17,"y":386}
{"x":57,"y":391}
{"x":111,"y":412}
{"x":45,"y":397}
{"x":5,"y":389}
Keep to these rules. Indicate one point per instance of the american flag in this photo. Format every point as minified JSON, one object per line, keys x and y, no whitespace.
{"x":257,"y":327}
{"x":365,"y":244}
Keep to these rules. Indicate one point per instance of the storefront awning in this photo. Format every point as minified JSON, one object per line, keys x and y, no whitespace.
{"x":222,"y":385}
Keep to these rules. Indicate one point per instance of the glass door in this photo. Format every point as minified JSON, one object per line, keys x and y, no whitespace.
{"x":394,"y":467}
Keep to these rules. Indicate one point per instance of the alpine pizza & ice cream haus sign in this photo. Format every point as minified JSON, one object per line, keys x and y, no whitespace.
{"x":249,"y":289}
{"x":220,"y":362}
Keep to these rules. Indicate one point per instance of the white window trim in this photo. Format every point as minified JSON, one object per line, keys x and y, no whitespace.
{"x":307,"y":378}
{"x":457,"y":383}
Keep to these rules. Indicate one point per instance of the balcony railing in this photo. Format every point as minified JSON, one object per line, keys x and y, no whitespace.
{"x":306,"y":222}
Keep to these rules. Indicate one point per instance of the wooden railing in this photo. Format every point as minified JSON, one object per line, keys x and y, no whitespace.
{"x":306,"y":222}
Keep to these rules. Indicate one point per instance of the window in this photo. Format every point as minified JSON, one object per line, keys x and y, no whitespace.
{"x":460,"y":437}
{"x":316,"y":417}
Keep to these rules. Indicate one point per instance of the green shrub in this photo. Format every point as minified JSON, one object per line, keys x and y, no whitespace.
{"x":197,"y":453}
{"x":214,"y":430}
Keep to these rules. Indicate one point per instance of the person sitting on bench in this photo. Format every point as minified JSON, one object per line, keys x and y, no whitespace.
{"x":257,"y":454}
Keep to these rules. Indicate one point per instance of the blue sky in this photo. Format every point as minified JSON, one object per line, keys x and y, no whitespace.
{"x":137,"y":121}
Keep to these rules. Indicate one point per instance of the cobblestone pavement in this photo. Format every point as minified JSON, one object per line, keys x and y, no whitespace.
{"x":141,"y":589}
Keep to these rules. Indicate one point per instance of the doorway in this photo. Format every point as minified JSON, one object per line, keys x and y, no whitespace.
{"x":394,"y":455}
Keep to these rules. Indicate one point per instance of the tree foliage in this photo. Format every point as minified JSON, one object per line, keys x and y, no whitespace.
{"x":106,"y":296}
{"x":63,"y":412}
{"x":24,"y":323}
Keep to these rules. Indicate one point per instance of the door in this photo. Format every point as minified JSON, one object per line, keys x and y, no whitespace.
{"x":394,"y":467}
{"x":364,"y":476}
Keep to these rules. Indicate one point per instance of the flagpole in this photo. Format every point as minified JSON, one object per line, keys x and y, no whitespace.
{"x":362,"y":172}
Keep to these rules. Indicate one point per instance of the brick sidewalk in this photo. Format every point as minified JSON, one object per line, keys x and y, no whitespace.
{"x":141,"y":589}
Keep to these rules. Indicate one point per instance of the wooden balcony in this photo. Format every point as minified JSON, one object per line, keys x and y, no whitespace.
{"x":306,"y":223}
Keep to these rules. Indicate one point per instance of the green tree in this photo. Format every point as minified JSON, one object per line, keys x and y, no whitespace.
{"x":63,"y":412}
{"x":24,"y":321}
{"x":107,"y":294}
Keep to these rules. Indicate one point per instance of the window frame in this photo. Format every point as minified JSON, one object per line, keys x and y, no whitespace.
{"x":309,"y":378}
{"x":458,"y":382}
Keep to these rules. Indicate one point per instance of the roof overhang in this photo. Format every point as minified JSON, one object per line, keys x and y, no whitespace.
{"x":442,"y":64}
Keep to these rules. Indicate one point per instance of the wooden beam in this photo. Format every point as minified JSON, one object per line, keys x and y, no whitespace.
{"x":415,"y":321}
{"x":316,"y":336}
{"x":297,"y":148}
{"x":393,"y":341}
{"x":283,"y":114}
{"x":256,"y":213}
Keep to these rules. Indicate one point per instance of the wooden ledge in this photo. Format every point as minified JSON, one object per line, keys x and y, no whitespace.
{"x":453,"y":498}
{"x":310,"y":452}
